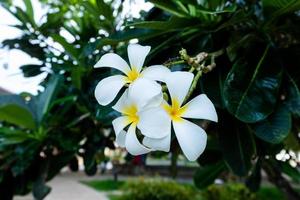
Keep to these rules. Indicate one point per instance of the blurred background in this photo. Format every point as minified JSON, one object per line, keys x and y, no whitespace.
{"x":56,"y":142}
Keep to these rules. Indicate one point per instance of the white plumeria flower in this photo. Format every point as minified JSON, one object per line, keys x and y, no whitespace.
{"x":155,"y":123}
{"x":108,"y":88}
{"x":143,"y":94}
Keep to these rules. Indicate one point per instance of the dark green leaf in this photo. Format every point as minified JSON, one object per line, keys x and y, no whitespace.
{"x":105,"y":9}
{"x":76,"y":75}
{"x":70,"y":49}
{"x":292,"y":172}
{"x":29,"y":9}
{"x":276,"y":127}
{"x":253,"y":182}
{"x":9,"y":136}
{"x":171,"y":24}
{"x":43,"y":101}
{"x":276,"y":8}
{"x":120,"y":36}
{"x":237,"y":144}
{"x":31,"y":70}
{"x":17,"y":115}
{"x":24,"y":45}
{"x":206,"y":175}
{"x":293,"y":96}
{"x":251,"y":88}
{"x":57,"y":162}
{"x":24,"y":17}
{"x":170,"y":7}
{"x":213,"y":84}
{"x":40,"y":190}
{"x":291,"y":141}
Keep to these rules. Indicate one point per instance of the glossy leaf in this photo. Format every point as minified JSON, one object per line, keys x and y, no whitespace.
{"x":251,"y":87}
{"x":276,"y":127}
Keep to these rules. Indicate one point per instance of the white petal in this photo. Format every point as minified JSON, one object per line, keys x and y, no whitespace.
{"x":191,"y":138}
{"x":201,"y":107}
{"x":108,"y":88}
{"x":114,"y":61}
{"x":123,"y":102}
{"x":156,"y":72}
{"x":137,"y":55}
{"x":153,"y":102}
{"x":142,"y":91}
{"x":162,"y":144}
{"x":132,"y":144}
{"x":154,"y":123}
{"x":119,"y":124}
{"x":121,"y":138}
{"x":178,"y":84}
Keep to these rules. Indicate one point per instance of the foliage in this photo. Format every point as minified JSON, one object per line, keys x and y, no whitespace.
{"x":254,"y":46}
{"x":227,"y":192}
{"x":156,"y":189}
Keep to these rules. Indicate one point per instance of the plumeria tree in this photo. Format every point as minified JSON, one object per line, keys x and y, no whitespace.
{"x":231,"y":62}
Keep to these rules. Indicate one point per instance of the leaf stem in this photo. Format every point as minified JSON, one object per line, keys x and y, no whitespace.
{"x":176,"y":62}
{"x":193,"y":86}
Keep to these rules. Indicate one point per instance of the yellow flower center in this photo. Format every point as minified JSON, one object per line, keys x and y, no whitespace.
{"x":175,"y":111}
{"x":131,"y":112}
{"x":132,"y":75}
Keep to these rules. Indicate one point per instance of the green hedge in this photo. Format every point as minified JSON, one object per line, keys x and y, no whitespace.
{"x":232,"y":191}
{"x":157,"y":189}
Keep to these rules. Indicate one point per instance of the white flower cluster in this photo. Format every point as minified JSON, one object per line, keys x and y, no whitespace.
{"x":143,"y":107}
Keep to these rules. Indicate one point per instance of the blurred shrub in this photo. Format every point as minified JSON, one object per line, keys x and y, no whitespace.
{"x":232,"y":191}
{"x":157,"y":189}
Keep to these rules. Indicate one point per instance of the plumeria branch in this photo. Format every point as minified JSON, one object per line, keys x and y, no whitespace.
{"x":193,"y":86}
{"x":173,"y":61}
{"x":196,"y":63}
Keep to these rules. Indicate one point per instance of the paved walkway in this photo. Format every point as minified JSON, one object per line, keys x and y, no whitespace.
{"x":68,"y":187}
